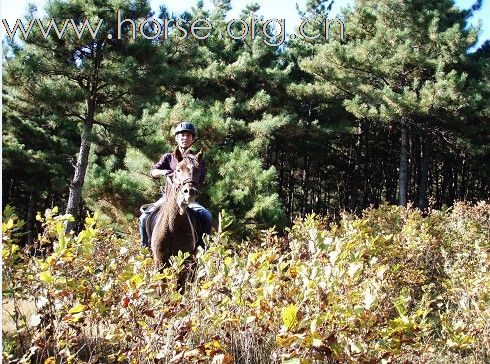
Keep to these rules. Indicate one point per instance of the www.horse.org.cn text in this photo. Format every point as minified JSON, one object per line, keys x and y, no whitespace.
{"x":271,"y":31}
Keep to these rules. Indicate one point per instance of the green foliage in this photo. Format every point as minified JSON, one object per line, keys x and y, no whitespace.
{"x":58,"y":89}
{"x":391,"y":286}
{"x":401,"y":60}
{"x":117,"y":190}
{"x":284,"y":130}
{"x":403,"y":65}
{"x":245,"y":190}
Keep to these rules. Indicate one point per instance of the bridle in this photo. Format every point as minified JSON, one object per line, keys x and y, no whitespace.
{"x":187,"y":180}
{"x":177,"y":187}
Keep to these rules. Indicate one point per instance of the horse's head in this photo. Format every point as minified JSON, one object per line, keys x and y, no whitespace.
{"x":186,"y":180}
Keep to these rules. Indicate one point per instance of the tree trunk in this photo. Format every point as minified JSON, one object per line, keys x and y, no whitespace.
{"x":291,"y":193}
{"x":403,"y":171}
{"x":454,"y":185}
{"x":446,"y":183}
{"x":9,"y":190}
{"x":424,"y":168}
{"x":438,"y":182}
{"x":355,"y":181}
{"x":463,"y":186}
{"x":281,"y":173}
{"x":81,"y":167}
{"x":31,"y":218}
{"x":305,"y":186}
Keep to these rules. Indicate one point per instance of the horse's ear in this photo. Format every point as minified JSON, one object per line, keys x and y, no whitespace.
{"x":199,"y":156}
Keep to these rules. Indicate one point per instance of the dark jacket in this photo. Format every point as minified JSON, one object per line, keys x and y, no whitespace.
{"x":169,"y":162}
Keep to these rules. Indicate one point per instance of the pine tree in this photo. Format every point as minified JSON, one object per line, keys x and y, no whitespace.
{"x":399,"y":65}
{"x":77,"y":78}
{"x":231,"y":90}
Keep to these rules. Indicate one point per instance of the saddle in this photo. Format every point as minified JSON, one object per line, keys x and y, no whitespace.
{"x":152,"y":218}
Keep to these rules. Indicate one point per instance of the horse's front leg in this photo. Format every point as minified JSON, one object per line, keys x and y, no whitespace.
{"x":157,"y":255}
{"x":187,"y":274}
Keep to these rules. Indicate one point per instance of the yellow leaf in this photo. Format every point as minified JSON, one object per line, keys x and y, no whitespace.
{"x":381,"y":271}
{"x":50,"y":360}
{"x":289,"y":316}
{"x":46,"y":277}
{"x":137,"y":279}
{"x":292,"y":361}
{"x":317,"y":342}
{"x":15,"y":248}
{"x":78,"y":308}
{"x":333,"y":256}
{"x":355,"y":347}
{"x":216,"y":344}
{"x":285,"y":341}
{"x":228,"y":261}
{"x":253,"y":257}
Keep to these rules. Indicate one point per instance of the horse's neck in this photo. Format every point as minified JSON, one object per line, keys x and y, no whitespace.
{"x":171,"y":216}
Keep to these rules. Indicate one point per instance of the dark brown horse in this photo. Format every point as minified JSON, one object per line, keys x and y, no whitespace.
{"x":173,"y":230}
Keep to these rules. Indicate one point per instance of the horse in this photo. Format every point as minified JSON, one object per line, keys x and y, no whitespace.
{"x":172,"y":228}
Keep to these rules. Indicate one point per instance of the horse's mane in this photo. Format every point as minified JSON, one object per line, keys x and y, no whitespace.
{"x":189,"y":153}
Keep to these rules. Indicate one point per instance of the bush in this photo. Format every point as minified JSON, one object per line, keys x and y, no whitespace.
{"x":391,"y":286}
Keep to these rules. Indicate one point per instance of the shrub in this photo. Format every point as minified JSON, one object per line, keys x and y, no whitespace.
{"x":390,"y":286}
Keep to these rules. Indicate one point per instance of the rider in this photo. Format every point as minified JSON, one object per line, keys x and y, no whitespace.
{"x":185,"y":136}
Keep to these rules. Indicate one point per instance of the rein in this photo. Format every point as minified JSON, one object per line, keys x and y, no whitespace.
{"x":177,"y":188}
{"x":187,"y":180}
{"x":182,"y":183}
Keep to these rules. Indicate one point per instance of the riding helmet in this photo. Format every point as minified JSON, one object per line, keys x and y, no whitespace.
{"x":185,"y":126}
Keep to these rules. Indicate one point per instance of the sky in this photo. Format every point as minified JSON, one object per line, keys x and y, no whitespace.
{"x":281,"y":9}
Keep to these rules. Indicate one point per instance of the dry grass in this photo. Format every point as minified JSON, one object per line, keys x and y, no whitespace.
{"x":26,"y":309}
{"x":419,"y":285}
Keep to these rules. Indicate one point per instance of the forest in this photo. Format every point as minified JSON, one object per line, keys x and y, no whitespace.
{"x":397,"y":113}
{"x":368,"y":146}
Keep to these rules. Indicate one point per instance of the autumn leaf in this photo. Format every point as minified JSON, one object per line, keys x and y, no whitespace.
{"x":353,"y":268}
{"x":76,"y":309}
{"x":50,"y":360}
{"x":225,"y":358}
{"x":137,"y":279}
{"x":46,"y":277}
{"x":292,"y":361}
{"x":288,"y":315}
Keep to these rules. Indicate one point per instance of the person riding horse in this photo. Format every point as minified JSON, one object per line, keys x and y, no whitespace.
{"x":185,"y":136}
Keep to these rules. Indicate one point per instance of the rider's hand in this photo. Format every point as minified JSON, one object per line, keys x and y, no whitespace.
{"x":155,"y":173}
